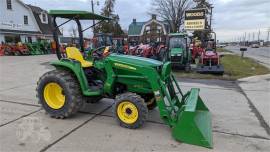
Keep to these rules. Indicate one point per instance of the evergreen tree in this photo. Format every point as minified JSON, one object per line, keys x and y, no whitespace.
{"x":113,"y":25}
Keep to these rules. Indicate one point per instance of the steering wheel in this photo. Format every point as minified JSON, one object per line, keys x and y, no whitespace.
{"x":98,"y":53}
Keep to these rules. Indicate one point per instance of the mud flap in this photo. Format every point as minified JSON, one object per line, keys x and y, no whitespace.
{"x":193,"y":125}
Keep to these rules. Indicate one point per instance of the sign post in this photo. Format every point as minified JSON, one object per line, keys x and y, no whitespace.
{"x":243,"y":50}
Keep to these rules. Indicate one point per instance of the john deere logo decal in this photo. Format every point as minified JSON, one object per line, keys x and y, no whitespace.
{"x":124,"y":66}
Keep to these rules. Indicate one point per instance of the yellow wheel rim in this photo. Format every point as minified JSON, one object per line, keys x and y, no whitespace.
{"x":53,"y":95}
{"x":127,"y":112}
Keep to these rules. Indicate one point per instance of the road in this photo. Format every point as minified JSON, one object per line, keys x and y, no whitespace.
{"x":237,"y":124}
{"x":262,"y":54}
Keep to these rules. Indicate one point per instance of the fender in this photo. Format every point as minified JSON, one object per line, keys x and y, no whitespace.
{"x":75,"y":67}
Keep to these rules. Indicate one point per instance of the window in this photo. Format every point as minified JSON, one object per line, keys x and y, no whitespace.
{"x":9,"y":5}
{"x":25,"y":19}
{"x":44,"y":18}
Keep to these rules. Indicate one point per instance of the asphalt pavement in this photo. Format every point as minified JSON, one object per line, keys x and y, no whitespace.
{"x":261,"y":55}
{"x":237,"y":122}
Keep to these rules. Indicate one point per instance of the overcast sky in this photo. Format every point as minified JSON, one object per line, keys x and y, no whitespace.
{"x":232,"y":18}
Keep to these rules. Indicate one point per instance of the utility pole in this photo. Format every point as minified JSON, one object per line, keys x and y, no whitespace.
{"x":245,"y":38}
{"x":268,"y":32}
{"x":240,"y":40}
{"x":259,"y":33}
{"x":93,"y":11}
{"x":211,"y":17}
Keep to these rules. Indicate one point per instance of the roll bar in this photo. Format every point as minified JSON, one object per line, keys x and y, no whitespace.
{"x":76,"y":16}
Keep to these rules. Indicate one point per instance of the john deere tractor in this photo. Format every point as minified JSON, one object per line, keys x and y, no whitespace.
{"x":180,"y":54}
{"x":136,"y":84}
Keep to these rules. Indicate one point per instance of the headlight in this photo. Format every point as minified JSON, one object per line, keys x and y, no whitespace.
{"x":179,"y":54}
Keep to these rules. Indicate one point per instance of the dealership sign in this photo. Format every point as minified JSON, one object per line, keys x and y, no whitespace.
{"x":195,"y":19}
{"x":11,"y":25}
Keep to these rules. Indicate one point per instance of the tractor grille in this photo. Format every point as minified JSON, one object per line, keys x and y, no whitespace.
{"x":176,"y":58}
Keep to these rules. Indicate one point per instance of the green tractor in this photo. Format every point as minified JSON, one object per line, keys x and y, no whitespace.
{"x":180,"y":55}
{"x":136,"y":84}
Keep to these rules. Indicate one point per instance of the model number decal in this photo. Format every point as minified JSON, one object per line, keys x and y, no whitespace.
{"x":124,"y":66}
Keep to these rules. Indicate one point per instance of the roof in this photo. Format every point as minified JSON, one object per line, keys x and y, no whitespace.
{"x":45,"y":28}
{"x":82,"y":15}
{"x":135,"y":28}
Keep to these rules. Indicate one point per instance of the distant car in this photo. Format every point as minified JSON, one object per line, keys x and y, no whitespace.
{"x":221,"y":45}
{"x":255,"y":46}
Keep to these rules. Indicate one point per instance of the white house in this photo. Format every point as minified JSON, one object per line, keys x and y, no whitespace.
{"x":23,"y":23}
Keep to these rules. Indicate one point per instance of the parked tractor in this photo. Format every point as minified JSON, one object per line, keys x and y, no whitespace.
{"x":119,"y":45}
{"x":2,"y":50}
{"x":102,"y":39}
{"x":209,"y":61}
{"x":196,"y":49}
{"x":136,"y":84}
{"x":15,"y":49}
{"x":155,"y":51}
{"x":35,"y":48}
{"x":180,"y":55}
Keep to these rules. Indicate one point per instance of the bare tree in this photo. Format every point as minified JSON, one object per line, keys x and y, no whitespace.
{"x":172,"y":11}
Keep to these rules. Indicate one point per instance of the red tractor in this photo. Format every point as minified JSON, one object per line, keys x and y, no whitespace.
{"x":209,"y":61}
{"x":154,"y":51}
{"x":196,"y":50}
{"x":22,"y":49}
{"x":16,"y":49}
{"x":2,"y":50}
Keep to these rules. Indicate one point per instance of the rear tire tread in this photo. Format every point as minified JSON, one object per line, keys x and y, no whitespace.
{"x":74,"y":92}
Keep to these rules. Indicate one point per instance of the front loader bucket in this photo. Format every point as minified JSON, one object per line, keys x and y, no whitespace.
{"x":193,"y":125}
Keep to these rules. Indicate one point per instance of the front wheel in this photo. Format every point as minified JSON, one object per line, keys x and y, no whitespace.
{"x":59,"y":93}
{"x":130,"y":110}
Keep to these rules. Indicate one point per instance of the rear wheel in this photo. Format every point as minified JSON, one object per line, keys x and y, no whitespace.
{"x":59,"y":93}
{"x":130,"y":110}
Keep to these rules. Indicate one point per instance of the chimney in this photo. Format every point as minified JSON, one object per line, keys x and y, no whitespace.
{"x":154,"y":17}
{"x":134,"y":21}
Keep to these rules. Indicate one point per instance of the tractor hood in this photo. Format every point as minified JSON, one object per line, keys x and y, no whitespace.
{"x":139,"y":61}
{"x":175,"y":51}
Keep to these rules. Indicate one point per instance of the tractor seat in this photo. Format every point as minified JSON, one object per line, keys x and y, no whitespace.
{"x":74,"y":53}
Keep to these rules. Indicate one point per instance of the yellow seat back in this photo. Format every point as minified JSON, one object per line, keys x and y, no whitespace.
{"x":74,"y":53}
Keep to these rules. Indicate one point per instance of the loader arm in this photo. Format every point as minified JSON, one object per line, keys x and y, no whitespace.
{"x":186,"y":114}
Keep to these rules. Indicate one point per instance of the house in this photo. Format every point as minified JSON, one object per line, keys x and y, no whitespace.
{"x":23,"y":23}
{"x":149,"y":31}
{"x":44,"y":22}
